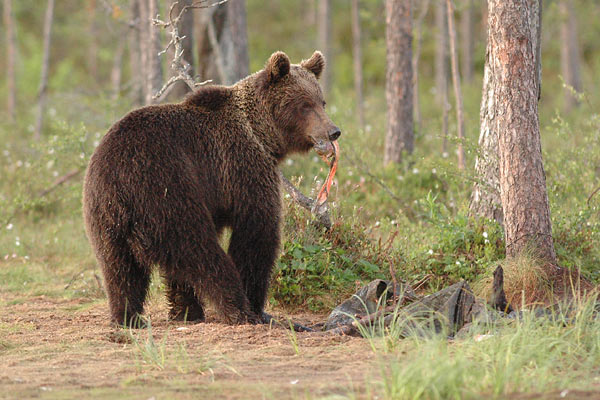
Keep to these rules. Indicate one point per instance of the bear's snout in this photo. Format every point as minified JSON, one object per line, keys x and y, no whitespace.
{"x":334,"y":134}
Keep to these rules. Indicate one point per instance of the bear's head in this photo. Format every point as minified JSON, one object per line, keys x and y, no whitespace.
{"x":296,"y":102}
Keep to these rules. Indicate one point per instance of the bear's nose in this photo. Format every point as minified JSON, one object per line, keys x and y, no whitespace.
{"x":334,"y":134}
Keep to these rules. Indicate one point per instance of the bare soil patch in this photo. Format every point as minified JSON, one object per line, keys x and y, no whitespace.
{"x":57,"y":348}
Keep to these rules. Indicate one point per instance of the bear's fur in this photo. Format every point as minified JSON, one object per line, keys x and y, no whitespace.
{"x":166,"y":179}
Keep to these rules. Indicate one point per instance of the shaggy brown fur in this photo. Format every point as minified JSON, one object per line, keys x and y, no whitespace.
{"x":166,"y":180}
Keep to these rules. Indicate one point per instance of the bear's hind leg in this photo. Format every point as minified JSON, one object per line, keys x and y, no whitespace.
{"x":185,"y":306}
{"x":126,"y":284}
{"x":253,"y":248}
{"x":198,"y":262}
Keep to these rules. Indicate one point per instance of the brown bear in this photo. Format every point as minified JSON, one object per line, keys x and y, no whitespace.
{"x":166,"y":179}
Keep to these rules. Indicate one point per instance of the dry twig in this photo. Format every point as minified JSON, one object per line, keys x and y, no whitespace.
{"x":179,"y":64}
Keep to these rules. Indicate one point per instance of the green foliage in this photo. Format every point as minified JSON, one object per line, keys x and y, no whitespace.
{"x":317,"y":268}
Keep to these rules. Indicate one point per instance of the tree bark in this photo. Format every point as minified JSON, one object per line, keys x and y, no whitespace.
{"x":223,"y":43}
{"x":460,"y":121}
{"x":515,"y":79}
{"x":467,"y":42}
{"x":569,"y":52}
{"x":186,"y":28}
{"x":399,"y":83}
{"x":11,"y":52}
{"x":357,"y":57}
{"x":485,"y":198}
{"x":441,"y":68}
{"x":324,"y":26}
{"x":49,"y":17}
{"x":154,"y":66}
{"x":239,"y":66}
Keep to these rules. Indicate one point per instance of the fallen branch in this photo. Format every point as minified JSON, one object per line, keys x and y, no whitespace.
{"x":322,"y":213}
{"x":353,"y":329}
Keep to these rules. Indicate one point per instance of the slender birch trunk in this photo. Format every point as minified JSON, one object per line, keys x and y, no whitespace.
{"x":48,"y":19}
{"x":460,"y":121}
{"x":357,"y":58}
{"x":11,"y":52}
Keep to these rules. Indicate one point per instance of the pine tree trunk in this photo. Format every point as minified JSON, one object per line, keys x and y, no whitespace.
{"x":569,"y":52}
{"x":324,"y":25}
{"x":11,"y":51}
{"x":48,"y":19}
{"x":467,"y":42}
{"x":399,"y":83}
{"x":515,"y":81}
{"x":357,"y":57}
{"x":186,"y":28}
{"x":485,"y":198}
{"x":460,"y":121}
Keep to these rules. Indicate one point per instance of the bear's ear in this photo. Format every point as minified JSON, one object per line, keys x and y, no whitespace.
{"x":315,"y":64}
{"x":278,"y":66}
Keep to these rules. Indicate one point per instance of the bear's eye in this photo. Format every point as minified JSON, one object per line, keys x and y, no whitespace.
{"x":306,"y":106}
{"x":324,"y":103}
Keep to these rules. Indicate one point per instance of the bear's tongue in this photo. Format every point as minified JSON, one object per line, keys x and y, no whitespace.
{"x":324,"y":192}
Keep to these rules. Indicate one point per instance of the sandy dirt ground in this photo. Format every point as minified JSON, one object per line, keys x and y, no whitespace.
{"x":57,"y":348}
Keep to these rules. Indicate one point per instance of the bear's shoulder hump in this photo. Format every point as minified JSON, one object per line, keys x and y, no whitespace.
{"x":209,"y":98}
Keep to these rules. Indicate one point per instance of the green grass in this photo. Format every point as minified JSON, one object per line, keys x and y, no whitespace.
{"x":531,"y":355}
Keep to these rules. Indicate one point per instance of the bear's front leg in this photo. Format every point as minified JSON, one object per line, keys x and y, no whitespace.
{"x":254,"y":246}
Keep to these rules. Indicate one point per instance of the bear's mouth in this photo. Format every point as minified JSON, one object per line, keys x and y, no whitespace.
{"x":323,"y":147}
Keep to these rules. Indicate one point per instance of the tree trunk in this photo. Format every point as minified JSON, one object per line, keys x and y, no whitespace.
{"x":467,"y":42}
{"x":135,"y":54}
{"x":324,"y":42}
{"x":92,"y":57}
{"x":357,"y":56}
{"x":569,"y":52}
{"x":223,"y":43}
{"x":117,"y":70}
{"x":515,"y":81}
{"x":45,"y":65}
{"x":485,"y":198}
{"x":186,"y":28}
{"x":399,"y":83}
{"x":11,"y":51}
{"x":415,"y":63}
{"x":153,"y":47}
{"x":460,"y":121}
{"x":441,"y":68}
{"x":239,"y":66}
